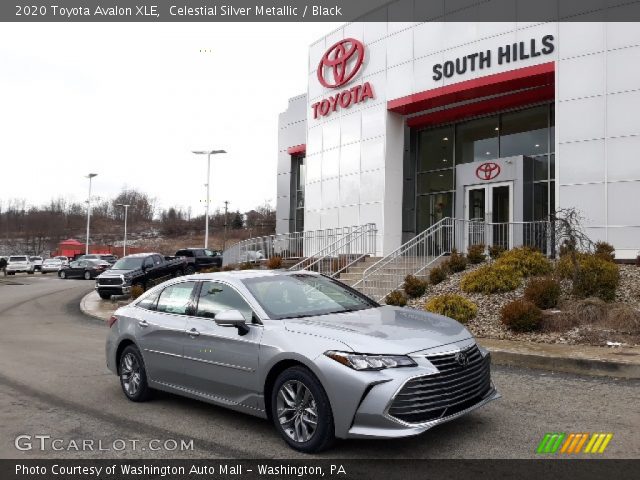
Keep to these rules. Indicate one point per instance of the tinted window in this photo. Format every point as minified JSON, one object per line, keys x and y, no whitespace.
{"x":148,"y":262}
{"x":17,"y":259}
{"x":130,"y":263}
{"x":175,"y":299}
{"x":209,"y":253}
{"x":149,"y":302}
{"x":184,"y":253}
{"x":218,"y":297}
{"x":157,"y":259}
{"x":75,"y":264}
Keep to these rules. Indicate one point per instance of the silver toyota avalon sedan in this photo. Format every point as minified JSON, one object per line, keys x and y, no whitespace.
{"x":311,"y":354}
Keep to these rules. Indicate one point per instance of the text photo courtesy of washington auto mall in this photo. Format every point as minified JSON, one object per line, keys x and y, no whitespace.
{"x":359,"y":239}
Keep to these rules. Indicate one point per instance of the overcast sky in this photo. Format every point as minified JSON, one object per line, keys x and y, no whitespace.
{"x":130,"y":102}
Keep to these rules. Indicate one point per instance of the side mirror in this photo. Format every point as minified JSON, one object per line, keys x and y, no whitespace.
{"x":232,"y":318}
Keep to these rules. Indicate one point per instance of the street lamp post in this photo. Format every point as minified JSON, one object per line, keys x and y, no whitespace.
{"x":208,"y":153}
{"x":126,"y":212}
{"x":90,"y":177}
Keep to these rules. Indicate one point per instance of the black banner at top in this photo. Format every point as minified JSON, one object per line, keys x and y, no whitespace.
{"x":319,"y":10}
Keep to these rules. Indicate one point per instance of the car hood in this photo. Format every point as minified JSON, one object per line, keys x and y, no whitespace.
{"x":383,"y":330}
{"x":116,"y":273}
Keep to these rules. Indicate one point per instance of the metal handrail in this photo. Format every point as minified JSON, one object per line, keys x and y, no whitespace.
{"x":441,"y":239}
{"x":330,"y":251}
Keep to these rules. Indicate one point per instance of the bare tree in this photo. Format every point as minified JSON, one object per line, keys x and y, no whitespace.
{"x":570,"y":236}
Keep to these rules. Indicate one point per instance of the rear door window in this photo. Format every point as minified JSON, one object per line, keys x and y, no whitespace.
{"x":176,"y":298}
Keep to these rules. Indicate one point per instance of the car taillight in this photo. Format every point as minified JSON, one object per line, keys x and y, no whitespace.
{"x":111,"y":321}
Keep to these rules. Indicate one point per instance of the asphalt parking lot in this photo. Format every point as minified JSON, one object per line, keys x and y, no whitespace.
{"x":53,"y":381}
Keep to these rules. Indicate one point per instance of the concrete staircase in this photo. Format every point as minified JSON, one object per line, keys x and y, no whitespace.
{"x":389,"y":278}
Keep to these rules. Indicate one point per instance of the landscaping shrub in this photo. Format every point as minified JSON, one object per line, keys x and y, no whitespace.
{"x":456,"y":262}
{"x":596,"y":278}
{"x":521,"y":316}
{"x":246,"y":266}
{"x":414,"y":287}
{"x":453,"y":306}
{"x":475,"y":254}
{"x":228,"y":268}
{"x":605,"y":250}
{"x":624,"y":319}
{"x":543,"y":292}
{"x":438,"y":274}
{"x":274,"y":263}
{"x":495,"y":251}
{"x":397,"y":298}
{"x":136,"y":291}
{"x":526,"y":261}
{"x":492,"y":278}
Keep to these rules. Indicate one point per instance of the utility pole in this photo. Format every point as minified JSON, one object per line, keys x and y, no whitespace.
{"x":226,"y":210}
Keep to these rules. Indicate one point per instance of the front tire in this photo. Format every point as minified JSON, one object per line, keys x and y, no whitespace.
{"x":301,"y":411}
{"x":87,"y":275}
{"x":104,"y":296}
{"x":133,"y":375}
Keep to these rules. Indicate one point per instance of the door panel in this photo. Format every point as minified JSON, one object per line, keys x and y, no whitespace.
{"x":221,"y":362}
{"x":161,"y":332}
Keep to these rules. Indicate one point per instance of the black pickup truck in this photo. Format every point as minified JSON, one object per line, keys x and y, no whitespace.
{"x":142,"y":269}
{"x":199,"y":258}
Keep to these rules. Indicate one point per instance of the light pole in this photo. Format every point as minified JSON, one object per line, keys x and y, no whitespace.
{"x":126,"y":212}
{"x":208,"y":153}
{"x":90,"y":177}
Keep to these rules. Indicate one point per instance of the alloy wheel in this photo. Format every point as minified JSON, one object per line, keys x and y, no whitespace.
{"x":130,"y":371}
{"x":297,"y":411}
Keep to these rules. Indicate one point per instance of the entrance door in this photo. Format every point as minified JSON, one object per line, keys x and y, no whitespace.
{"x":488,"y":214}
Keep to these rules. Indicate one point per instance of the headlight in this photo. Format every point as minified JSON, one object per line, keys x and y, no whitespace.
{"x":359,"y":361}
{"x":483,"y":351}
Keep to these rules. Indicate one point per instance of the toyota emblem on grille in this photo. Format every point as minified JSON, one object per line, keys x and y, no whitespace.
{"x":462,"y":358}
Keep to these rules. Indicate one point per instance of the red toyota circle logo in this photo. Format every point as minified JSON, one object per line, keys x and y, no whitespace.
{"x":488,"y":171}
{"x":343,"y":59}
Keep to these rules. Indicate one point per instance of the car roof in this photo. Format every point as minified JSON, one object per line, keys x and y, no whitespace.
{"x":245,"y":274}
{"x":138,"y":255}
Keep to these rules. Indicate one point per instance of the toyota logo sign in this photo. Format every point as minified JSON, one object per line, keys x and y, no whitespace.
{"x":343,"y":60}
{"x":488,"y":171}
{"x":462,"y":358}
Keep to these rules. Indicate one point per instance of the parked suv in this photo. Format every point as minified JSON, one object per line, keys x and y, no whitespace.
{"x":37,"y":263}
{"x":20,"y":263}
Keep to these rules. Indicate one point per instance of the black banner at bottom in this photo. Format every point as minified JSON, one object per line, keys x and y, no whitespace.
{"x":317,"y":468}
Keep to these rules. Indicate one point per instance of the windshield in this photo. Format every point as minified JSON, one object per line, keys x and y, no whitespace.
{"x":300,"y":295}
{"x":52,"y":260}
{"x":128,"y":263}
{"x":17,"y":259}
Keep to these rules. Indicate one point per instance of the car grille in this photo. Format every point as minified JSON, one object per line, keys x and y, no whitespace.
{"x":454,"y":389}
{"x":110,"y":281}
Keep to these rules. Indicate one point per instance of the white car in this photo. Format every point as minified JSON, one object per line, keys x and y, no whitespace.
{"x":51,"y":265}
{"x":63,"y":259}
{"x":37,"y":263}
{"x":20,"y":263}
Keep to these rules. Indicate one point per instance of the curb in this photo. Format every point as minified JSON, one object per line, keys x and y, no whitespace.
{"x":566,"y":359}
{"x":580,"y":360}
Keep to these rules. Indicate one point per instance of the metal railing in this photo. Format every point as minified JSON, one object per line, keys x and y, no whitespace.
{"x":346,"y":251}
{"x":292,"y":245}
{"x":420,"y":253}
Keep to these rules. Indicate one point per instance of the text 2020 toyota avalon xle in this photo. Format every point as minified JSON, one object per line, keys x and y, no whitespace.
{"x":316,"y":357}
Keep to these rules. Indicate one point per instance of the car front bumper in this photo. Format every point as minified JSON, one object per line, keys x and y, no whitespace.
{"x":361,"y":400}
{"x":114,"y":289}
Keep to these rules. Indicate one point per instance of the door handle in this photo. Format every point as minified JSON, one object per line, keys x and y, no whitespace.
{"x":193,"y":333}
{"x":143,"y":323}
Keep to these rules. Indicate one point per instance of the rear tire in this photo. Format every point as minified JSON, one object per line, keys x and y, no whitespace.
{"x":62,"y":275}
{"x":190,"y":270}
{"x":301,"y":411}
{"x":133,"y":375}
{"x":87,"y":275}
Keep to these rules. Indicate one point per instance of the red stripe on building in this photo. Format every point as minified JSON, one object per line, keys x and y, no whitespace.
{"x":297,"y":149}
{"x":499,"y":83}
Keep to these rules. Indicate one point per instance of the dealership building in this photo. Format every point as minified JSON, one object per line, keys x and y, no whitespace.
{"x":405,"y":124}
